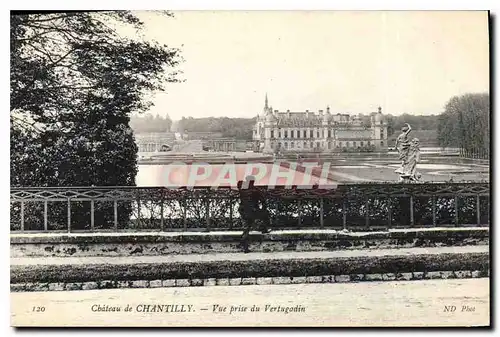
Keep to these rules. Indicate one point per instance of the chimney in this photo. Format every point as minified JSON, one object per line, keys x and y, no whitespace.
{"x":288,"y":111}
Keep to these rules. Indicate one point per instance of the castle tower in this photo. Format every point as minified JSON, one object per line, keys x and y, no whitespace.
{"x":325,"y":119}
{"x":379,"y":127}
{"x":268,"y":125}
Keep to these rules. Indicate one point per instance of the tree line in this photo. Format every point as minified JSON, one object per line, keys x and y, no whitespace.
{"x":241,"y":128}
{"x":395,"y":123}
{"x":465,"y":123}
{"x":149,"y":123}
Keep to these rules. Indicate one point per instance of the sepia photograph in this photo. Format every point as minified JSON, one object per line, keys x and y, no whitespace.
{"x":182,"y":168}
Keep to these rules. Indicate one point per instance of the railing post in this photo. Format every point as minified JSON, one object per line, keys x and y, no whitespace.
{"x":434,"y":200}
{"x":389,"y":212}
{"x":162,"y":224}
{"x":344,"y":213}
{"x":367,"y":215}
{"x":412,"y":222}
{"x":207,"y":213}
{"x":92,"y":214}
{"x":115,"y":214}
{"x":478,"y":207}
{"x":138,"y":211}
{"x":69,"y":215}
{"x":231,"y":213}
{"x":184,"y":214}
{"x":22,"y":216}
{"x":299,"y":204}
{"x":45,"y":216}
{"x":321,"y":213}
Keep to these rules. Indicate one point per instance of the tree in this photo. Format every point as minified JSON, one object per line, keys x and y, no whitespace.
{"x":74,"y":83}
{"x":465,"y":123}
{"x":238,"y":128}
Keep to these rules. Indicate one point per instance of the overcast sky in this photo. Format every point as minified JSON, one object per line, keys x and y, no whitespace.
{"x":406,"y":62}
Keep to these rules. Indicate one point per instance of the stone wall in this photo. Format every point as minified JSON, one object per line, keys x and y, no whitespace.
{"x":237,"y":281}
{"x":153,"y":244}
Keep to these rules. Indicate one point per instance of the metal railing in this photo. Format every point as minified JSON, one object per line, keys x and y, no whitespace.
{"x":356,"y":207}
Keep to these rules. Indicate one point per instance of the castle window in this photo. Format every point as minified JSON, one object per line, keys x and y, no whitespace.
{"x":329,"y":145}
{"x":292,"y":133}
{"x":348,"y":144}
{"x":305,"y":135}
{"x":317,"y":145}
{"x":329,"y":133}
{"x":312,"y":145}
{"x":340,"y":144}
{"x":381,"y":143}
{"x":291,"y":145}
{"x":305,"y":145}
{"x":361,"y":143}
{"x":354,"y":144}
{"x":286,"y":134}
{"x":317,"y":134}
{"x":286,"y":144}
{"x":272,"y":133}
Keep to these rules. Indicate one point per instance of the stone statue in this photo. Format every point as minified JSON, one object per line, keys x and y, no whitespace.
{"x":409,"y":154}
{"x":413,"y":159}
{"x":403,"y":143}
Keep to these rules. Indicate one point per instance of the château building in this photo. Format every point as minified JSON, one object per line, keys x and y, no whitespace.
{"x":277,"y":131}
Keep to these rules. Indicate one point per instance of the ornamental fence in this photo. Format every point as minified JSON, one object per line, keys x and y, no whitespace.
{"x":356,"y":207}
{"x":478,"y":153}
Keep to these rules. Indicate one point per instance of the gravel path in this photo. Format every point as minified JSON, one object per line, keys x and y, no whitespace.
{"x":414,"y":303}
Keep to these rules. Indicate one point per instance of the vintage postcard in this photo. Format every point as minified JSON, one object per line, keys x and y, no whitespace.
{"x":250,"y":169}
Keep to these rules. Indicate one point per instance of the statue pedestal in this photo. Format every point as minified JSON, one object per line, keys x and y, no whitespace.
{"x":409,"y":179}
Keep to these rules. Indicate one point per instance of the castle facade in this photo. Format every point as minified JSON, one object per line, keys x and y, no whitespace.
{"x":322,"y":131}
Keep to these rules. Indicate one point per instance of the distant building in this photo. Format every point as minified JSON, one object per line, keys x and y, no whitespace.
{"x":225,"y":145}
{"x":308,"y":131}
{"x":154,"y":141}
